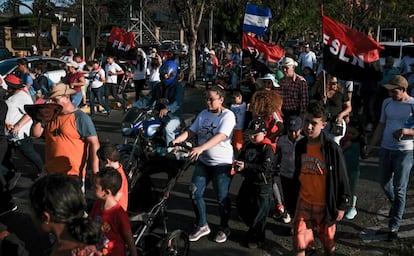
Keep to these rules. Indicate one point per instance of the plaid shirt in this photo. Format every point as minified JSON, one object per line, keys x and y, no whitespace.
{"x":295,"y":94}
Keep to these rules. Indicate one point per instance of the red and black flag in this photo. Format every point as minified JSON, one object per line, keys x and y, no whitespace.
{"x":121,"y":44}
{"x":349,"y":54}
{"x":270,"y":52}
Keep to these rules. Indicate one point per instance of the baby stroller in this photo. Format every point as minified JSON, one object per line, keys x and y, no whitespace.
{"x":149,"y":228}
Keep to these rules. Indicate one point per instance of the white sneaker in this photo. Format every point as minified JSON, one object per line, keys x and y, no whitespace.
{"x":221,"y":236}
{"x":286,"y":218}
{"x":199,"y":233}
{"x":351,"y":213}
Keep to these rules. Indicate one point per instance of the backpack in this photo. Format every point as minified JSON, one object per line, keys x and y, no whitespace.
{"x":42,"y":83}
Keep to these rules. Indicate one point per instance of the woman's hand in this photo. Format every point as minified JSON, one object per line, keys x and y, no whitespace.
{"x":195,"y":153}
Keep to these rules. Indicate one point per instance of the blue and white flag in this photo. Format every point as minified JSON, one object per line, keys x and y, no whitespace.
{"x":256,"y":19}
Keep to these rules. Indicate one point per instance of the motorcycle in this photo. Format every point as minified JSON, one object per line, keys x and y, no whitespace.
{"x":127,"y":83}
{"x":144,"y":139}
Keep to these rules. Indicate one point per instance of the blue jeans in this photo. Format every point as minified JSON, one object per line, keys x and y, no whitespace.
{"x":98,"y":93}
{"x":221,"y":178}
{"x":395,"y":167}
{"x":76,"y":99}
{"x":170,"y":127}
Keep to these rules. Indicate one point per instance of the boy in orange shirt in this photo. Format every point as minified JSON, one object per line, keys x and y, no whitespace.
{"x":321,"y":183}
{"x":110,"y":156}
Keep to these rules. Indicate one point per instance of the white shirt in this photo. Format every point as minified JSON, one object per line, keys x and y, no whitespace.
{"x":307,"y":59}
{"x":97,"y":78}
{"x":113,"y":79}
{"x":15,"y":112}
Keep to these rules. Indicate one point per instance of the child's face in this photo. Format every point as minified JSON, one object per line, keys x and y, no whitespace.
{"x":293,"y":135}
{"x":237,"y":99}
{"x":257,"y":138}
{"x":313,"y":126}
{"x":99,"y":192}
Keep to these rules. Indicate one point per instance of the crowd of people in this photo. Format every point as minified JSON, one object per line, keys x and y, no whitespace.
{"x":297,"y":127}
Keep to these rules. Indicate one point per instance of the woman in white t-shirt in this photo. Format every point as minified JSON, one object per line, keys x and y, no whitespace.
{"x":214,"y":155}
{"x":97,"y":81}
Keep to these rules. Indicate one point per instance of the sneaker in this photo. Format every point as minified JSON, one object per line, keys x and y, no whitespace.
{"x":351,"y":213}
{"x":392,"y":235}
{"x":199,"y":233}
{"x":286,"y":218}
{"x":83,"y":105}
{"x":104,"y":112}
{"x":280,"y":209}
{"x":12,"y":207}
{"x":221,"y":236}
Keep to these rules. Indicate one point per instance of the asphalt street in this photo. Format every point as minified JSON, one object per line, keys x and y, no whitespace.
{"x":357,"y":237}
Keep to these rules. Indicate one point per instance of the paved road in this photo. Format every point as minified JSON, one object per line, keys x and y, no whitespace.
{"x":357,"y":237}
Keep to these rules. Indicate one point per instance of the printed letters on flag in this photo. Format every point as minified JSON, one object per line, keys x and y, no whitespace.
{"x":121,"y":43}
{"x":349,"y":54}
{"x":256,"y":19}
{"x":270,"y":52}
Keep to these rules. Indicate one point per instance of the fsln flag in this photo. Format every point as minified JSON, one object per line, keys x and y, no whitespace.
{"x":256,"y":19}
{"x":348,"y":53}
{"x":270,"y":52}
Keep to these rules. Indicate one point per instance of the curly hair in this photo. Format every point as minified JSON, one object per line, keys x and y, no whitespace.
{"x":264,"y":103}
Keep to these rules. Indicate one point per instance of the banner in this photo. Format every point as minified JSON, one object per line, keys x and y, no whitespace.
{"x":256,"y":19}
{"x":349,"y":54}
{"x":269,"y":52}
{"x":121,"y":44}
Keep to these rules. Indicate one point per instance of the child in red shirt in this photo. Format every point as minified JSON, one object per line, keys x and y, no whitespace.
{"x":108,"y":213}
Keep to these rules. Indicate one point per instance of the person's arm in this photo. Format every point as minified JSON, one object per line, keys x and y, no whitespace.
{"x":346,"y":111}
{"x":79,"y":83}
{"x":17,"y":126}
{"x":93,"y":144}
{"x":183,"y":136}
{"x":179,"y":99}
{"x":37,"y":129}
{"x":127,"y":236}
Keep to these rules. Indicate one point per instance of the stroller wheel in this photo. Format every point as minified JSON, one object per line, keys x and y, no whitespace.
{"x":175,"y":243}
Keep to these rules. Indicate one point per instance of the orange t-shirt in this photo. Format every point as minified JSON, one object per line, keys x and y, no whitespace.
{"x":313,"y":176}
{"x":65,"y":150}
{"x":123,"y":201}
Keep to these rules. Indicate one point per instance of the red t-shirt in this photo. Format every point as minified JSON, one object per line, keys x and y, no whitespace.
{"x":113,"y":223}
{"x":73,"y":78}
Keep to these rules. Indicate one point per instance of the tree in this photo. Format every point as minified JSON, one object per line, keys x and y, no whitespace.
{"x":190,"y":14}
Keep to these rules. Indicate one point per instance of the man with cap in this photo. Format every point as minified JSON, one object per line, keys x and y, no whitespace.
{"x":18,"y":122}
{"x":395,"y":129}
{"x":70,"y":139}
{"x":75,"y":80}
{"x":307,"y":58}
{"x":294,"y":90}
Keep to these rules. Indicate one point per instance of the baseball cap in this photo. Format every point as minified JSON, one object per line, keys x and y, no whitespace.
{"x":60,"y":89}
{"x":396,"y":82}
{"x":287,"y":61}
{"x":72,"y":64}
{"x":256,"y":126}
{"x":294,"y":123}
{"x":271,"y":77}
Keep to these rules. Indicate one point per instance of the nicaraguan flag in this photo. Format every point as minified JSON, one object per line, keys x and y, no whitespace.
{"x":256,"y":19}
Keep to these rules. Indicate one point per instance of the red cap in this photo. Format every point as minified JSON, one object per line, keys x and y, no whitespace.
{"x":13,"y":81}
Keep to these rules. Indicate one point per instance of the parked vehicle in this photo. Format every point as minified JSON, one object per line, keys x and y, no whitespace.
{"x":397,"y":50}
{"x":54,"y":68}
